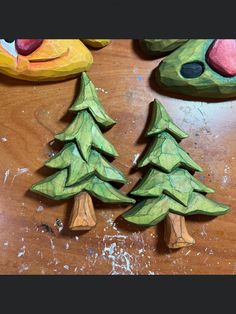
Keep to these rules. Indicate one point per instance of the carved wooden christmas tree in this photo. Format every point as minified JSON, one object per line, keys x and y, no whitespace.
{"x":83,"y":169}
{"x":170,"y":192}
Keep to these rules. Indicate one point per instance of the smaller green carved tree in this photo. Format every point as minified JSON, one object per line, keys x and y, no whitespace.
{"x":170,"y":192}
{"x":83,"y":169}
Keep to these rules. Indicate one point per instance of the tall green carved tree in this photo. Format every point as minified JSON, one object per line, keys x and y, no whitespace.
{"x":170,"y":192}
{"x":83,"y":171}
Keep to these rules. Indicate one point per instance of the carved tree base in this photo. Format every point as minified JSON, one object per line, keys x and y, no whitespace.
{"x":83,"y":215}
{"x":176,"y":233}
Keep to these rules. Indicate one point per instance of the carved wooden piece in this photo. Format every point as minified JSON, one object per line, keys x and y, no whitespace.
{"x":52,"y":60}
{"x":169,"y":189}
{"x":96,"y":43}
{"x":82,"y":168}
{"x":200,"y":68}
{"x":221,"y":57}
{"x":179,"y":185}
{"x":160,"y":47}
{"x":27,"y":46}
{"x":176,"y":234}
{"x":83,"y":215}
{"x":151,"y":211}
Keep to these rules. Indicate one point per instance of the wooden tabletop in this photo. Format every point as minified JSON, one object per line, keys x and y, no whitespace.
{"x":32,"y":113}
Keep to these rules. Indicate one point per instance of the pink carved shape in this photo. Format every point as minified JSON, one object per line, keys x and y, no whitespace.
{"x":221,"y":56}
{"x":26,"y":46}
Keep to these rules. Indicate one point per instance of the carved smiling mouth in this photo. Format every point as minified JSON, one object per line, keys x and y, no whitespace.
{"x":38,"y":56}
{"x":55,"y":59}
{"x":48,"y":59}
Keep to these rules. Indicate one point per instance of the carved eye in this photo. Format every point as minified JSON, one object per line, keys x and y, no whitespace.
{"x":192,"y":69}
{"x":9,"y":46}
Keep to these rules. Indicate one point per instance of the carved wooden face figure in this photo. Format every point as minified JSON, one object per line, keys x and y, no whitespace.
{"x":202,"y":68}
{"x":43,"y":59}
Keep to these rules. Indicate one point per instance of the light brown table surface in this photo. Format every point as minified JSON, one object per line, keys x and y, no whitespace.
{"x":32,"y":113}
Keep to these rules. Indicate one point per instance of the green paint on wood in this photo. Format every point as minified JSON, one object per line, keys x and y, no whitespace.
{"x":151,"y":211}
{"x":167,"y":154}
{"x":179,"y":184}
{"x":88,"y":99}
{"x":161,"y":121}
{"x":159,"y":47}
{"x":209,"y":84}
{"x":81,"y":164}
{"x":70,"y":157}
{"x":174,"y":190}
{"x":87,"y":134}
{"x":55,"y":187}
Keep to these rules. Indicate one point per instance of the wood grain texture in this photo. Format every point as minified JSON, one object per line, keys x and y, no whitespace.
{"x":176,"y":234}
{"x":83,"y":216}
{"x":30,"y":116}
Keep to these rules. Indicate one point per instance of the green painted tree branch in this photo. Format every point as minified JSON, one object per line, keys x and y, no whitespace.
{"x":69,"y":157}
{"x":55,"y":188}
{"x":179,"y":185}
{"x":87,"y":134}
{"x":167,"y":154}
{"x":151,"y":211}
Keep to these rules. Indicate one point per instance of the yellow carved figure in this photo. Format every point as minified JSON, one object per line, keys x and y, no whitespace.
{"x":45,"y":60}
{"x":96,"y":43}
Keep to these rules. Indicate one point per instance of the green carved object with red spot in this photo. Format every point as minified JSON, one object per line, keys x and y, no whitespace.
{"x":202,"y":68}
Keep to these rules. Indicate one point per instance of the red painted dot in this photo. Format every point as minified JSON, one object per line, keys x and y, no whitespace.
{"x":26,"y":46}
{"x":221,"y":56}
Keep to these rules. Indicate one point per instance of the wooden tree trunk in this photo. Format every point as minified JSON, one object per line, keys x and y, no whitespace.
{"x":176,"y":233}
{"x":83,"y":216}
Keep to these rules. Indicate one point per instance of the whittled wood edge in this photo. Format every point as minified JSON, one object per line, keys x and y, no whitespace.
{"x":83,"y":215}
{"x":176,"y":234}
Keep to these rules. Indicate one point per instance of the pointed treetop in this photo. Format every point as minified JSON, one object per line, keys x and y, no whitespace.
{"x":151,"y":211}
{"x":179,"y":185}
{"x":167,"y":154}
{"x":87,"y":134}
{"x":161,"y":121}
{"x":88,"y":99}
